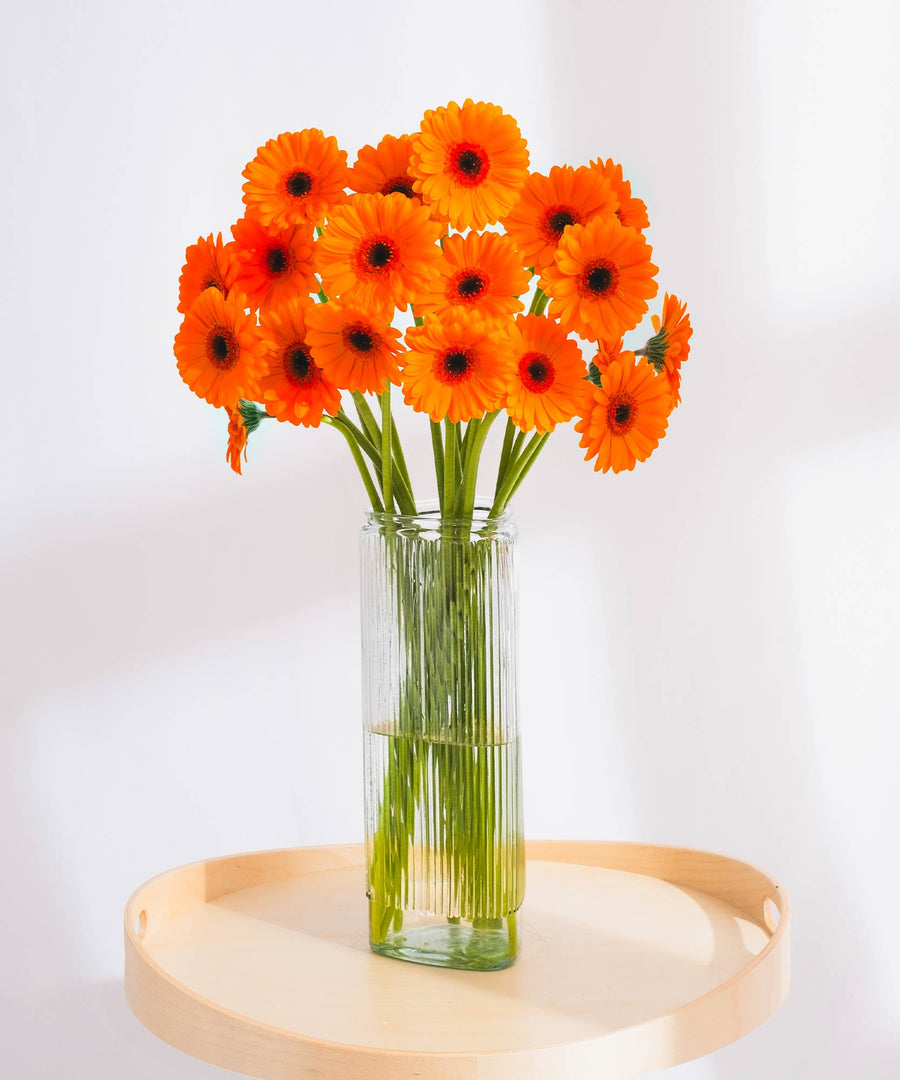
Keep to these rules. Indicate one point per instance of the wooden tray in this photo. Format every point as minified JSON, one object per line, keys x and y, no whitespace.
{"x":634,"y":958}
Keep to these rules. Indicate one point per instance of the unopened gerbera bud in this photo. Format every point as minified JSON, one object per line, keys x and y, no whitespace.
{"x":251,"y":414}
{"x":594,"y":374}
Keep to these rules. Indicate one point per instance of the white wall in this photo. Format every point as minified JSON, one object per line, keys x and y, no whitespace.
{"x":709,"y":643}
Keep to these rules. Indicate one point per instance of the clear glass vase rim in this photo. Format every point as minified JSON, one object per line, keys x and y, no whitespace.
{"x":428,"y":514}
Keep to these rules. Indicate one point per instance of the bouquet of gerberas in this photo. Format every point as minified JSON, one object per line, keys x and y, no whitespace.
{"x":294,"y":318}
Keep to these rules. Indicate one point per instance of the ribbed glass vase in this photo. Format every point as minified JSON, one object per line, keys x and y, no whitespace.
{"x":445,"y":851}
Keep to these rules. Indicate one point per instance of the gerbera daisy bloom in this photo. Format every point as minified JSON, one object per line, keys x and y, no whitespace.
{"x":355,"y":348}
{"x":292,"y":385}
{"x":624,"y":418}
{"x":378,"y":251}
{"x":384,"y":169}
{"x":218,"y":349}
{"x":548,"y":382}
{"x":600,"y":279}
{"x":470,"y":162}
{"x":456,"y":367}
{"x":631,"y":211}
{"x":295,"y":179}
{"x":273,"y":265}
{"x":208,"y":264}
{"x":668,"y":348}
{"x":237,"y":440}
{"x":478,"y":272}
{"x":549,"y":204}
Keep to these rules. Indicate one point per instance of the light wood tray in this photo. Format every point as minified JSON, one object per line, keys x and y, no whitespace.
{"x":634,"y":958}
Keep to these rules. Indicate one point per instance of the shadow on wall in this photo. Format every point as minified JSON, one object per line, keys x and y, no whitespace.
{"x":143,"y":588}
{"x":709,"y":693}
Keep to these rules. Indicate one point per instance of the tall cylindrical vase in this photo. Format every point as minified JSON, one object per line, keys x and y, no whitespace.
{"x":445,"y":851}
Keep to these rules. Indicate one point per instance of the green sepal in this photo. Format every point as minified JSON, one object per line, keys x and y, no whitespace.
{"x":251,"y":414}
{"x":594,"y":374}
{"x":656,"y":348}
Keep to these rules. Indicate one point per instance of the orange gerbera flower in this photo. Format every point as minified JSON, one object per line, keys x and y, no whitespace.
{"x":479,"y":272}
{"x":208,"y":264}
{"x":384,"y":169}
{"x":456,"y":367}
{"x":295,"y":179}
{"x":218,"y":349}
{"x":624,"y":418}
{"x":669,"y":347}
{"x":549,"y":204}
{"x":548,"y":384}
{"x":273,"y":265}
{"x":378,"y":251}
{"x":631,"y":211}
{"x":470,"y":162}
{"x":292,"y":385}
{"x":355,"y":348}
{"x":601,"y":279}
{"x":237,"y":440}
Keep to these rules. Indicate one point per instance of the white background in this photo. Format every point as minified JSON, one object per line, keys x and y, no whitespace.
{"x":709,"y":644}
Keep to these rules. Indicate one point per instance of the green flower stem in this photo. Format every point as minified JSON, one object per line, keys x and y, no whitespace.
{"x":539,"y":446}
{"x":399,"y":458}
{"x":403,"y":492}
{"x":358,"y":433}
{"x":539,"y":302}
{"x":512,"y":458}
{"x":505,"y":452}
{"x":523,"y":462}
{"x":470,"y":471}
{"x":437,"y":447}
{"x":387,"y":453}
{"x":367,"y":417}
{"x":451,"y":455}
{"x":358,"y":458}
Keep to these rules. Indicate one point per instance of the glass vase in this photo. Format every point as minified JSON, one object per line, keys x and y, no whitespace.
{"x":444,"y":842}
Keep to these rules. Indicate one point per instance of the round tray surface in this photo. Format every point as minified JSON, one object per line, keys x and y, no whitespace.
{"x":633,"y":958}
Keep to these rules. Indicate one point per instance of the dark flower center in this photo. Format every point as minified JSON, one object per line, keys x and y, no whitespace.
{"x":222,"y":349}
{"x":379,"y":255}
{"x":360,"y":338}
{"x":299,"y":184}
{"x":468,"y":163}
{"x":621,"y":413}
{"x":376,"y":256}
{"x":212,"y":283}
{"x":537,"y":372}
{"x":599,"y":278}
{"x":299,"y":364}
{"x":453,"y":366}
{"x":277,"y":260}
{"x":456,"y":363}
{"x":403,"y":184}
{"x":471,"y":285}
{"x":557,"y":218}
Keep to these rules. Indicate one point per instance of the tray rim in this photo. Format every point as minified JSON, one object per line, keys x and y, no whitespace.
{"x":774,"y":955}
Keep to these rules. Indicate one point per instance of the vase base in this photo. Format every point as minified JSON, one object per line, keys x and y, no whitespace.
{"x":479,"y":945}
